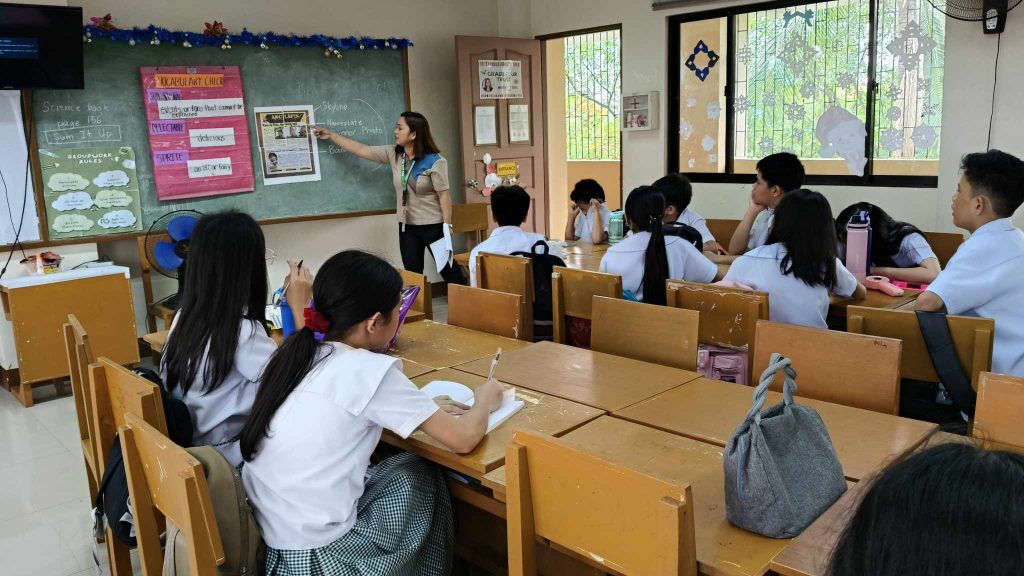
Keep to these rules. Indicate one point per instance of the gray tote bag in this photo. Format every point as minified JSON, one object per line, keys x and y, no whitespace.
{"x":781,"y":470}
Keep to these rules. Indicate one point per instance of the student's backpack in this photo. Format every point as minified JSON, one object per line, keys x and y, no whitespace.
{"x":112,"y":501}
{"x":543,"y":265}
{"x":721,"y":363}
{"x":686,"y":232}
{"x":239,"y":534}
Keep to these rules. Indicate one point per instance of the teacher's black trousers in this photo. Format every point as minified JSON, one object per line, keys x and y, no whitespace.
{"x":414,"y":240}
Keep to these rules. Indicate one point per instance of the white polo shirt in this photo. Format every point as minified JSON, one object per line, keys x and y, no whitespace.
{"x":503,"y":240}
{"x":218,"y":415}
{"x":790,"y":300}
{"x":984,"y":279}
{"x":585,"y":224}
{"x":760,"y":228}
{"x":684,"y":262}
{"x":308,"y":474}
{"x":691,"y":218}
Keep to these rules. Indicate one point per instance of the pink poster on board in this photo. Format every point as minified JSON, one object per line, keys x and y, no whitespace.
{"x":198,"y":133}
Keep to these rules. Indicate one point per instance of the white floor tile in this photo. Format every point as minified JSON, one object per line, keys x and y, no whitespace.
{"x":24,"y":438}
{"x":42,"y":483}
{"x":30,"y":547}
{"x":55,"y":413}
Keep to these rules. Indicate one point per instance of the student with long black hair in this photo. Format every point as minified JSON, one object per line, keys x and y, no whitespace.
{"x":946,"y":511}
{"x":647,"y":257}
{"x":899,"y":251}
{"x":798,"y":267}
{"x":219,"y":342}
{"x":323,"y":402}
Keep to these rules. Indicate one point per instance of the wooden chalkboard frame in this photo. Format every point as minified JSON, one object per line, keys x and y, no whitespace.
{"x":37,"y":184}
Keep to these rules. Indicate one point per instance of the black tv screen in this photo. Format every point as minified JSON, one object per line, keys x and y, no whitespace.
{"x":40,"y":47}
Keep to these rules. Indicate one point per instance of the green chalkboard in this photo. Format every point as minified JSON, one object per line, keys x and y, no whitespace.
{"x":360,"y":96}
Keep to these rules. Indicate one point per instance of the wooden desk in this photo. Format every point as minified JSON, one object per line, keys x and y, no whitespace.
{"x":541,"y":414}
{"x":590,"y":261}
{"x":158,"y":340}
{"x":709,"y":411}
{"x":581,"y":248}
{"x":600,"y":380}
{"x":442,"y":346}
{"x":721,"y":547}
{"x":875,"y":299}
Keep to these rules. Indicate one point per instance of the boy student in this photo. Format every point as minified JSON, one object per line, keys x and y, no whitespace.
{"x":588,"y":215}
{"x":983,"y":278}
{"x":776,"y":175}
{"x":678,"y":193}
{"x":509,"y":206}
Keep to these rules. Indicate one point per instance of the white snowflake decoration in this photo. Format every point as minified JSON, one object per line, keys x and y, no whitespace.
{"x":924,"y":85}
{"x":686,"y":129}
{"x":714,"y":110}
{"x":769,"y":100}
{"x":797,"y":52}
{"x":929,"y":109}
{"x":894,"y":113}
{"x":924,"y":137}
{"x":892,"y":139}
{"x":911,"y":45}
{"x":691,"y":102}
{"x":766,"y":144}
{"x":808,"y":90}
{"x":740,"y":104}
{"x":743,"y":55}
{"x":795,"y":112}
{"x":847,"y":80}
{"x":839,"y":43}
{"x":894,"y":91}
{"x":707,"y":143}
{"x":691,"y":163}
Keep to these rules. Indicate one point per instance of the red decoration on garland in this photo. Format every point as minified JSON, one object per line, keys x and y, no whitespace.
{"x":105,"y":23}
{"x":215,"y":29}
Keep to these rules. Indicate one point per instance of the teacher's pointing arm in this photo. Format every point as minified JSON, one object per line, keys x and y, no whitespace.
{"x":347,"y":144}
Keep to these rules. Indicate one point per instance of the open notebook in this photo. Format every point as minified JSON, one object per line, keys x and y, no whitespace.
{"x":462,"y":393}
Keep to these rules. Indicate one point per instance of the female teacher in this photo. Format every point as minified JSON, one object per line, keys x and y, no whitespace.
{"x":420,"y":176}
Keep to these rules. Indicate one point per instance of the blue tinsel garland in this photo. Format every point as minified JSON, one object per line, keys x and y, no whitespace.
{"x":156,"y":35}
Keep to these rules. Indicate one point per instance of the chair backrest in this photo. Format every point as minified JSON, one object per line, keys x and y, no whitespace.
{"x":944,"y":244}
{"x":972,"y":339}
{"x":572,"y":294}
{"x":728,"y":316}
{"x":850,"y":369}
{"x":147,"y":281}
{"x":424,"y":300}
{"x":997,"y":415}
{"x":656,"y":334}
{"x":166,"y":481}
{"x":722,"y":230}
{"x":490,"y":311}
{"x":472,"y":218}
{"x":115,"y":392}
{"x":509,"y":274}
{"x":552,"y":494}
{"x":79,"y":353}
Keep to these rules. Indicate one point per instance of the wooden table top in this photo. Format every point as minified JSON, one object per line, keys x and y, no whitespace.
{"x":157,"y":340}
{"x":874,"y":299}
{"x":541,"y":413}
{"x":600,"y":380}
{"x":721,"y":547}
{"x":412,"y":369}
{"x":442,"y":346}
{"x":709,"y":411}
{"x":590,"y":261}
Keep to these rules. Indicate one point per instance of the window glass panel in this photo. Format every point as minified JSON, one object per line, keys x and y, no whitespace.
{"x":593,"y":87}
{"x":703,"y":74}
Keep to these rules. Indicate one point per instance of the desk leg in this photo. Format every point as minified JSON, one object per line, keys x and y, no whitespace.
{"x":24,"y":393}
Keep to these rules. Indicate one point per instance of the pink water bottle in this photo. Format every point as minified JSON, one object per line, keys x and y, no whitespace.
{"x":858,"y":245}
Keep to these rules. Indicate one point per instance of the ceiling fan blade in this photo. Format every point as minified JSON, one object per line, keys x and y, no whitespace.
{"x":180,"y":227}
{"x":164,"y":254}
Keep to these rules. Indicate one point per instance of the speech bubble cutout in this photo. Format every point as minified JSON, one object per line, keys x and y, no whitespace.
{"x":64,"y":181}
{"x":73,"y":201}
{"x":112,"y":199}
{"x":71,"y":223}
{"x":117,"y":219}
{"x":112,"y":178}
{"x":129,"y":164}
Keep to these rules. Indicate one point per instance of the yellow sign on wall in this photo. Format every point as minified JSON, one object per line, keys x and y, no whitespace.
{"x":506,"y":169}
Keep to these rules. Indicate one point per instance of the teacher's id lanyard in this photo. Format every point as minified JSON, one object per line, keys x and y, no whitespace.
{"x":405,"y":184}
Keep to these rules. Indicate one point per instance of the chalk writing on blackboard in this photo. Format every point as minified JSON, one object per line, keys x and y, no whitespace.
{"x":101,"y":133}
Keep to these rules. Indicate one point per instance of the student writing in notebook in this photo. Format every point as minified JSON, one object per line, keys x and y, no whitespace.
{"x":776,"y":175}
{"x":899,"y":251}
{"x":509,"y":207}
{"x":984,"y":277}
{"x":323,"y":402}
{"x":588,"y":215}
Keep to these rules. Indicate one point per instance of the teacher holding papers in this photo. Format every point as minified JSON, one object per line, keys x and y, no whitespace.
{"x":420,"y":176}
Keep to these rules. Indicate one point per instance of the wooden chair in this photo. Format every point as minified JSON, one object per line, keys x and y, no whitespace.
{"x":115,"y":392}
{"x":656,"y":334}
{"x":944,"y":244}
{"x":972,"y":339}
{"x":490,"y":311}
{"x":722,"y":230}
{"x":153,"y":311}
{"x":838,"y":367}
{"x":79,"y":353}
{"x":509,"y":274}
{"x":997,"y":415}
{"x":572,"y":295}
{"x":166,"y":481}
{"x":471,"y":218}
{"x":612,"y":516}
{"x":424,"y":301}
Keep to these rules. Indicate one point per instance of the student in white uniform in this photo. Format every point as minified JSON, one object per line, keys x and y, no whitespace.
{"x":219,"y":342}
{"x":588,"y":215}
{"x":984,"y":277}
{"x":323,"y":402}
{"x":899,"y":251}
{"x":647,"y":258}
{"x":776,"y":175}
{"x":678,"y":192}
{"x":798,"y":267}
{"x":509,"y":207}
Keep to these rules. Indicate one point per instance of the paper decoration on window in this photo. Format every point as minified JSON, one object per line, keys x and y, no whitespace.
{"x":691,"y":102}
{"x":924,"y":84}
{"x":847,"y":80}
{"x":691,"y":163}
{"x":841,"y":133}
{"x":929,"y":109}
{"x":806,"y":15}
{"x":795,"y":112}
{"x":767,"y":145}
{"x":911,"y":45}
{"x":894,"y":91}
{"x":769,"y":100}
{"x":808,"y":90}
{"x":743,"y":55}
{"x":702,"y":72}
{"x":924,"y":136}
{"x":892,"y":139}
{"x":713,"y":158}
{"x":714,"y":109}
{"x":686,"y":129}
{"x":707,"y":143}
{"x":740,"y":104}
{"x":894,"y":113}
{"x":797,"y":53}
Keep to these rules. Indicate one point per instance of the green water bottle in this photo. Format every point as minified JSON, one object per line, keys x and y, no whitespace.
{"x":616,"y":227}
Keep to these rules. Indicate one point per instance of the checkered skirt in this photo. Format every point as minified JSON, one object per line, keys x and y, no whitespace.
{"x":404,"y":527}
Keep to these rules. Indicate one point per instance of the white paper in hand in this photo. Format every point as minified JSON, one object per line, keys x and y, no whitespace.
{"x":442,"y":250}
{"x":461,"y":393}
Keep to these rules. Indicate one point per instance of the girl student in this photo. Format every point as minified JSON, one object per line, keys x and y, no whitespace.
{"x":219,"y":342}
{"x":588,"y":214}
{"x":323,"y":402}
{"x":647,"y":258}
{"x":899,"y":251}
{"x":797,"y":266}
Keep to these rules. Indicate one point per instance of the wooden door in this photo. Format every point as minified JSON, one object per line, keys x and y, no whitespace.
{"x":517,"y":131}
